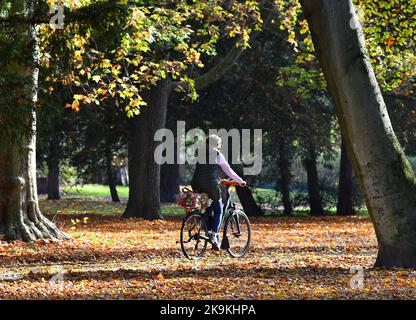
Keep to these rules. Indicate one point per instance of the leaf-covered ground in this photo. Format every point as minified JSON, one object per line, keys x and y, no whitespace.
{"x":109,"y":258}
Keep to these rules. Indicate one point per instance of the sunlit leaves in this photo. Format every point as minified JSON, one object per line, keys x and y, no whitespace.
{"x":390,"y":29}
{"x":150,"y":42}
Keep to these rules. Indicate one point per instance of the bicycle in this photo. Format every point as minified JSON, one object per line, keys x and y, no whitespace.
{"x":235,"y":224}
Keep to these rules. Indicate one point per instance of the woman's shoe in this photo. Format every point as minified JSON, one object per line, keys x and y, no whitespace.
{"x":215,"y":240}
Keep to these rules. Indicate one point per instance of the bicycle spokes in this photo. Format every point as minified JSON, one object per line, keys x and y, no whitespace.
{"x":238,"y":233}
{"x":195,"y":236}
{"x":235,"y":226}
{"x":193,"y":239}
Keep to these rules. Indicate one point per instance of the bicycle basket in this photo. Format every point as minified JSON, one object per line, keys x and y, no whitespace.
{"x":191,"y":201}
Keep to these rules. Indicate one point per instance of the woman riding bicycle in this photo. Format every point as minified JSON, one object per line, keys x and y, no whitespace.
{"x":206,"y":179}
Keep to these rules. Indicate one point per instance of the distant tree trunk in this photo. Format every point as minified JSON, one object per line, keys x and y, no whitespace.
{"x":315,"y":199}
{"x":245,"y":195}
{"x":110,"y":176}
{"x":283,"y":183}
{"x":344,"y":206}
{"x":144,"y":172}
{"x":54,"y":172}
{"x":250,"y":207}
{"x":169,"y":182}
{"x":20,"y":217}
{"x":386,"y":177}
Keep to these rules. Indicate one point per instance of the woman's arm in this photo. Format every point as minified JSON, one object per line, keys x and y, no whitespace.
{"x":227,"y":169}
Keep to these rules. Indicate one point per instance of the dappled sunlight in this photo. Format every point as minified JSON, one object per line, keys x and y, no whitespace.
{"x":107,"y":257}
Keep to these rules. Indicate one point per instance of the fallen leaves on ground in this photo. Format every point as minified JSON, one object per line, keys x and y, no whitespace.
{"x":110,"y":258}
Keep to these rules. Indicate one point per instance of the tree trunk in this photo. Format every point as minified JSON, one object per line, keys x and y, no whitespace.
{"x":315,"y":199}
{"x":20,"y":217}
{"x":144,"y":172}
{"x":283,"y":184}
{"x":110,"y":176}
{"x":250,"y":207}
{"x":54,"y":173}
{"x":169,"y":182}
{"x":386,"y":177}
{"x":344,"y":206}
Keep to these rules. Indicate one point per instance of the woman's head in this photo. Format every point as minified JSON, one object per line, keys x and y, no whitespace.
{"x":213,"y":142}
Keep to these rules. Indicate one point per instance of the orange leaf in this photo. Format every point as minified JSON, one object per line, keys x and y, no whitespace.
{"x":75,"y":105}
{"x":389,"y":41}
{"x":159,"y":276}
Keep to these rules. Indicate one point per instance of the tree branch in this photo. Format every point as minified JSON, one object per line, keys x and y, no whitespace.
{"x":88,"y":12}
{"x":216,"y":72}
{"x":220,"y":69}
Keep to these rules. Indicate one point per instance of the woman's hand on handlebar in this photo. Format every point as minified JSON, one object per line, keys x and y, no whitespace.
{"x":229,"y":183}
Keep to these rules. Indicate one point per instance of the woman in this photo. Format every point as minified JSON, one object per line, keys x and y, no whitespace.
{"x":206,"y":180}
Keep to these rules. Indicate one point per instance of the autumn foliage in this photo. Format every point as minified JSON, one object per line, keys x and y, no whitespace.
{"x":110,"y":258}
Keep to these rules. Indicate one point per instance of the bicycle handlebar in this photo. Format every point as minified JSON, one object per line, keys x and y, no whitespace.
{"x":229,"y":183}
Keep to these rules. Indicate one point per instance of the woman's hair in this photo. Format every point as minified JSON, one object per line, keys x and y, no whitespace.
{"x":210,"y":146}
{"x":213,"y":142}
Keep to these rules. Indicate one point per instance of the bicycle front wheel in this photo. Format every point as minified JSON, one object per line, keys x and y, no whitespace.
{"x":194,"y":236}
{"x":238,"y":232}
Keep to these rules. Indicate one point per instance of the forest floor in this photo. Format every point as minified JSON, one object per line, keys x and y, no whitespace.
{"x":109,"y":258}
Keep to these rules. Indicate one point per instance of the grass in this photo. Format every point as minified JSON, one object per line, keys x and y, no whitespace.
{"x":265,"y":197}
{"x":94,"y":191}
{"x":70,"y":206}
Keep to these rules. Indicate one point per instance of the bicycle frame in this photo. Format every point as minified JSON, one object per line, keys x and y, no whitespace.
{"x":227,"y":207}
{"x":230,"y":223}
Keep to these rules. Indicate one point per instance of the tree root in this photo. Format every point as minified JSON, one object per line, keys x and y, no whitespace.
{"x":26,"y":230}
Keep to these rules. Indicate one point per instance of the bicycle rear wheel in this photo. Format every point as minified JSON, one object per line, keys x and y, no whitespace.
{"x":194,"y":236}
{"x":238,"y":232}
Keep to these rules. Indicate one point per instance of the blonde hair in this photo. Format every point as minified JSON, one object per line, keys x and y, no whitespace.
{"x":213,"y":142}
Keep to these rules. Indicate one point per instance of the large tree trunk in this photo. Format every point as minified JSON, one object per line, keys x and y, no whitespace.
{"x":283,"y":183}
{"x":54,"y":172}
{"x":169,"y":182}
{"x":110,"y":176}
{"x":20,"y":217}
{"x":315,"y":199}
{"x":385,"y":175}
{"x":344,"y":206}
{"x":144,"y":172}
